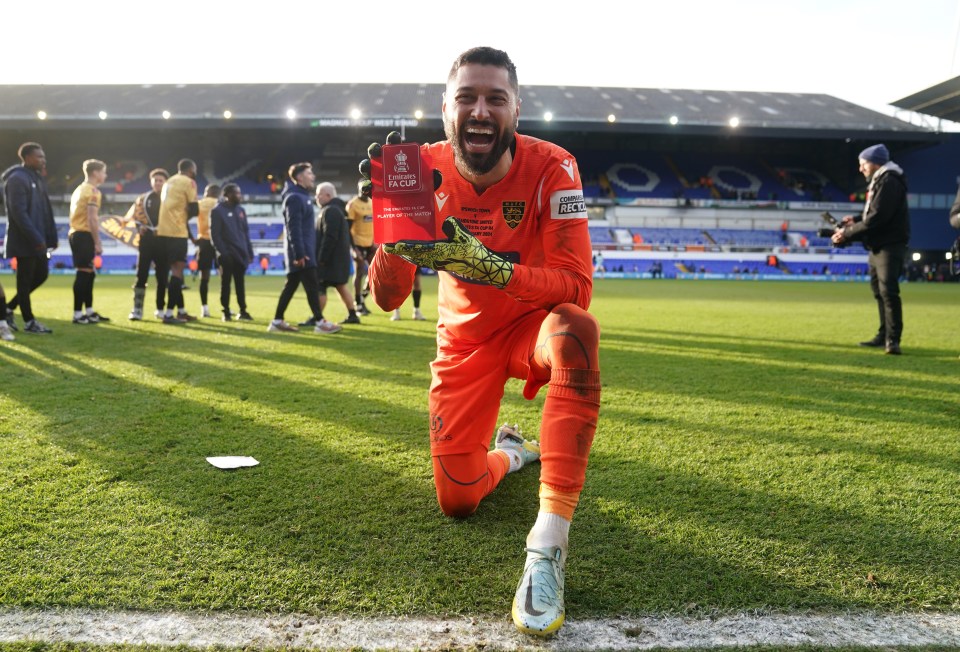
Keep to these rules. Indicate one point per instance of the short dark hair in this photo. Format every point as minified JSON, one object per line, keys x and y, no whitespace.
{"x":92,"y":165}
{"x":297,"y":168}
{"x":185,"y":164}
{"x":27,"y":149}
{"x":159,"y":171}
{"x":487,"y":56}
{"x":229,"y":187}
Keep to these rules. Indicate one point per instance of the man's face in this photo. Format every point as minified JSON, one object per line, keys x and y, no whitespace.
{"x":307,"y":179}
{"x":157,"y":181}
{"x":867,"y":168}
{"x":36,"y":160}
{"x":232,"y":195}
{"x":480,"y":113}
{"x":98,"y":177}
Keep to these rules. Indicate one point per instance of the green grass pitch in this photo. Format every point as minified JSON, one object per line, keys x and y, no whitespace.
{"x":750,"y":456}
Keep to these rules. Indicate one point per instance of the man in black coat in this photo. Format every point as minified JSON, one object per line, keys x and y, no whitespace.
{"x":230,"y":236}
{"x":333,"y":249}
{"x":884,"y":229}
{"x":31,"y":231}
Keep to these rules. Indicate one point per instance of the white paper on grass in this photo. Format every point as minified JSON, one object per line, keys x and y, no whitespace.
{"x":232,"y":461}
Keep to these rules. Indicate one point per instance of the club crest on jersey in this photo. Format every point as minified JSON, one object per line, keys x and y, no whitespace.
{"x":513,"y":212}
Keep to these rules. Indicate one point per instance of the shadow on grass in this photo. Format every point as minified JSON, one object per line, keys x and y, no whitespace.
{"x":341,"y":514}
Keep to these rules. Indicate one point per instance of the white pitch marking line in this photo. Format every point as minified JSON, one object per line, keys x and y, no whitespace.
{"x":332,"y":632}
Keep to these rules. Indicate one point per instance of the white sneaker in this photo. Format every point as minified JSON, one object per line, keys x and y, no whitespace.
{"x":5,"y":333}
{"x":204,"y":311}
{"x":281,"y":327}
{"x":396,"y":315}
{"x":327,"y":327}
{"x":418,"y":316}
{"x":135,"y":315}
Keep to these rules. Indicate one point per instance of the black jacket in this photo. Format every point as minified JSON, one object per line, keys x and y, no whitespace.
{"x":30,"y":229}
{"x":886,"y":219}
{"x":230,"y":233}
{"x":333,"y":242}
{"x":298,"y":219}
{"x":955,"y":212}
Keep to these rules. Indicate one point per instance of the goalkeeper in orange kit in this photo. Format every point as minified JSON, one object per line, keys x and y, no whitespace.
{"x":515,"y":285}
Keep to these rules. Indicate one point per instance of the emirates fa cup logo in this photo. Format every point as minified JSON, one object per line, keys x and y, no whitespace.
{"x":400,"y":163}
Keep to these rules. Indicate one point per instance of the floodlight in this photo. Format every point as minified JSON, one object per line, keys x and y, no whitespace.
{"x":917,"y":257}
{"x":103,"y":115}
{"x":166,"y":115}
{"x":734,"y":122}
{"x":228,"y":114}
{"x":291,"y":114}
{"x":41,"y":115}
{"x":611,"y":118}
{"x":674,"y":120}
{"x":355,"y":114}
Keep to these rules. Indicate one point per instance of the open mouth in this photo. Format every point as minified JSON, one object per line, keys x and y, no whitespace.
{"x":479,"y":138}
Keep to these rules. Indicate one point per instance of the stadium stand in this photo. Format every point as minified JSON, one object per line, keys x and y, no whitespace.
{"x":696,"y":190}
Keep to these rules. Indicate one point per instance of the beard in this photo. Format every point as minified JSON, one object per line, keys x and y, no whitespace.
{"x":478,"y":164}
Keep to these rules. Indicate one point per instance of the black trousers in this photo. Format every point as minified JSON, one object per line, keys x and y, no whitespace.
{"x":885,"y":267}
{"x":151,"y":252}
{"x":232,"y":271}
{"x":32,"y":271}
{"x":308,"y":277}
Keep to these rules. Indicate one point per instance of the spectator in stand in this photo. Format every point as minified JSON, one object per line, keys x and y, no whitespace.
{"x":333,"y":249}
{"x":31,"y":231}
{"x":884,"y":229}
{"x":264,"y":265}
{"x":230,"y":237}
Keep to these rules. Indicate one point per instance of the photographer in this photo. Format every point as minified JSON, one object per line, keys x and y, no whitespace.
{"x":884,"y":229}
{"x":955,"y":223}
{"x":955,"y":212}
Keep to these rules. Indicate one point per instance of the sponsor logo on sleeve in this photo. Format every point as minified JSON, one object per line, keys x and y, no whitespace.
{"x":568,"y":205}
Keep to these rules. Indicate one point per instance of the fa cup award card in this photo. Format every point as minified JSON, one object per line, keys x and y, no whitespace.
{"x":402,"y":195}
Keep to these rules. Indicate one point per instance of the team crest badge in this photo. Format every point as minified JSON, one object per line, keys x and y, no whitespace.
{"x":513,"y":212}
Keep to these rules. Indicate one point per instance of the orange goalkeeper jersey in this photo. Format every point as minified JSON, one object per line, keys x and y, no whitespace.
{"x":535,"y":217}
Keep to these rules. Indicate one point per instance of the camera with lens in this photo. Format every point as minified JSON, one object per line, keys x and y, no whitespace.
{"x":828,"y":231}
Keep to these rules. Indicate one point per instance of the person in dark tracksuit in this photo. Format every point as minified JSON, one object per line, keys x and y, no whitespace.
{"x":230,"y":235}
{"x":300,"y":252}
{"x":146,"y":211}
{"x":31,"y":231}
